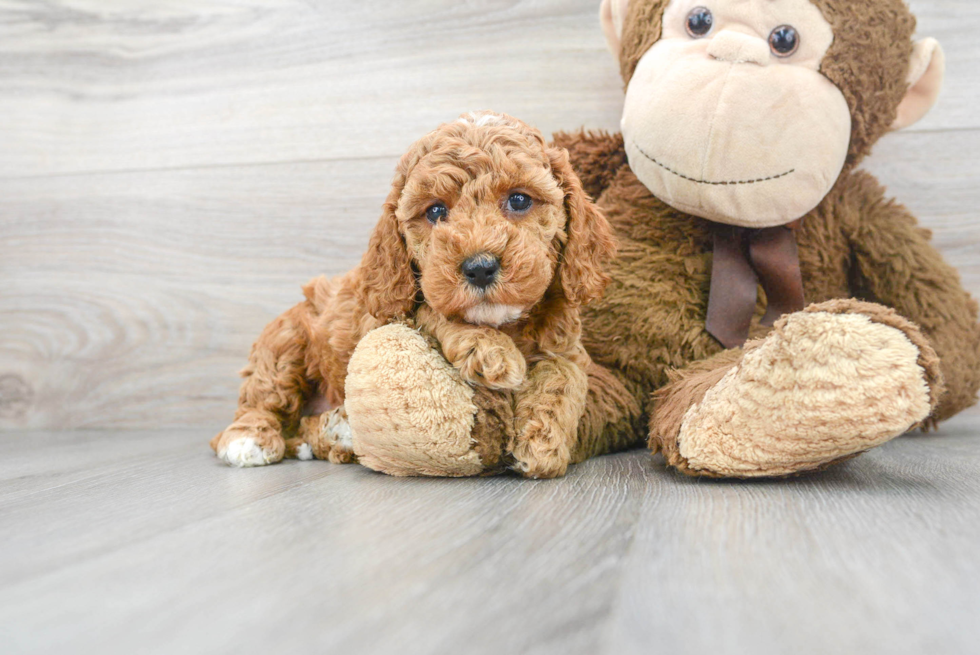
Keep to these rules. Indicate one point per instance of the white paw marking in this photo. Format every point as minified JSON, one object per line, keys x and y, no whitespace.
{"x":244,"y":453}
{"x":338,"y":429}
{"x":304,"y":452}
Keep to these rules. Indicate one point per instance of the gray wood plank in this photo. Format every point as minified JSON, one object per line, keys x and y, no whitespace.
{"x":154,"y":285}
{"x":875,"y":557}
{"x":169,"y":551}
{"x":95,"y":86}
{"x":91,"y":86}
{"x":309,"y":556}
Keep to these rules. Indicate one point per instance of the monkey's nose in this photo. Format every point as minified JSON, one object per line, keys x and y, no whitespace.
{"x":481,"y":270}
{"x":738,"y":48}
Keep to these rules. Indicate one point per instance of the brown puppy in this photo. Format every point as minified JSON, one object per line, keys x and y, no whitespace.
{"x":488,"y":244}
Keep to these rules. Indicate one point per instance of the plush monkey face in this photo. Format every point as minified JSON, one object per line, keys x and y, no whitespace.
{"x":729,"y":112}
{"x":723,"y":126}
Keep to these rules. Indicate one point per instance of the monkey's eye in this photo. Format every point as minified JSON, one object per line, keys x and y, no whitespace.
{"x":699,"y":22}
{"x":436,"y":213}
{"x":519,"y":202}
{"x":784,"y":41}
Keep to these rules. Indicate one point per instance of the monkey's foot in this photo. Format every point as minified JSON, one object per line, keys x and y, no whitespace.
{"x":826,"y":384}
{"x":411,"y":413}
{"x":254,"y":439}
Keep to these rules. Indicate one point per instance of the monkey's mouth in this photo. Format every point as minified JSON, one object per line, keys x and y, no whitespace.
{"x":710,"y":182}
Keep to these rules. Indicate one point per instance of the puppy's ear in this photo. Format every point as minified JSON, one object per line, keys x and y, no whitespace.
{"x":389,"y":281}
{"x":589,"y":244}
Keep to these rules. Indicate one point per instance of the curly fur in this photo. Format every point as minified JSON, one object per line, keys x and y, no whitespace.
{"x":550,"y":264}
{"x":647,"y":334}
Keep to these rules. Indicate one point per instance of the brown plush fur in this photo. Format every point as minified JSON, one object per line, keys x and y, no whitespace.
{"x":494,"y":420}
{"x":688,"y":388}
{"x":856,"y":244}
{"x":550,"y":263}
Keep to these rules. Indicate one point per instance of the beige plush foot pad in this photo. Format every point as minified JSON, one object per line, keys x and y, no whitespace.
{"x":410,"y":412}
{"x":827,"y":383}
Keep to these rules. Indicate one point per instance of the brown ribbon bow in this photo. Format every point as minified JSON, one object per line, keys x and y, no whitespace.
{"x":744,"y":258}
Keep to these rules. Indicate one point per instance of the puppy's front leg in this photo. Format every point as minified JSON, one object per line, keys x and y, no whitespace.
{"x":482,"y":355}
{"x":548,"y":412}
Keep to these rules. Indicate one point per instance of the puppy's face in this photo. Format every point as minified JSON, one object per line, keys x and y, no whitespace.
{"x":483,"y":219}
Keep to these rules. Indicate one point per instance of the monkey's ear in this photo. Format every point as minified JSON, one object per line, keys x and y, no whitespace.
{"x":612,"y":14}
{"x":926,"y":71}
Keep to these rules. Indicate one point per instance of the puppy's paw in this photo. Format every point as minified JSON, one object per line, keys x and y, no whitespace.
{"x":542,"y":468}
{"x":540,"y":454}
{"x":245,"y":453}
{"x":337,"y":432}
{"x":326,"y":436}
{"x":296,"y":448}
{"x":497,"y":364}
{"x":254,"y":439}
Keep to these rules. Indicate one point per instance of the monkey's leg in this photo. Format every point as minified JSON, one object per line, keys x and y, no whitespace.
{"x":412,"y":414}
{"x":896,"y":265}
{"x":614,"y":416}
{"x":271,"y":395}
{"x":826,"y":384}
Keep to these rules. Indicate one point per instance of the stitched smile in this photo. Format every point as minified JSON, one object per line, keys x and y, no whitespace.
{"x":691,"y":179}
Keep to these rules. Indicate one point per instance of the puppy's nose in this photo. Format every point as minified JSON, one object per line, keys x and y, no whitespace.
{"x":481,"y":270}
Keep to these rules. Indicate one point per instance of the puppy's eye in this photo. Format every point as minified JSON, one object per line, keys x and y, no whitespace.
{"x":436,"y":213}
{"x":699,"y":21}
{"x":519,"y":202}
{"x":784,"y":41}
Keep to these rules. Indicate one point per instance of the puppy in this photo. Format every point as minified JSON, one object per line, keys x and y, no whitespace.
{"x":488,"y":243}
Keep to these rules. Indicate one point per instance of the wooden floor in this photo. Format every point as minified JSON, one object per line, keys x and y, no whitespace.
{"x":142,"y":542}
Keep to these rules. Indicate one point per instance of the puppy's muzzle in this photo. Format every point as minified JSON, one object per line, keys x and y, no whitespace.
{"x":481,"y":270}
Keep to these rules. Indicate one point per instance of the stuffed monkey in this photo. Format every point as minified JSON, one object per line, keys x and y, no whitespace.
{"x":735,"y":172}
{"x":771,"y":311}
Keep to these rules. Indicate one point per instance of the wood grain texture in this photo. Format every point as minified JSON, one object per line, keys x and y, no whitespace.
{"x":172,"y":171}
{"x":143,"y":542}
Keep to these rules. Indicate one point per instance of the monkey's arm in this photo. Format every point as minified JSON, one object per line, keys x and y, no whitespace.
{"x":896,"y":265}
{"x":651,"y":318}
{"x":596,"y":156}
